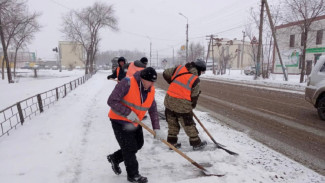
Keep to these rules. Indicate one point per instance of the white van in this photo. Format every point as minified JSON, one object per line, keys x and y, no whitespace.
{"x":315,"y":90}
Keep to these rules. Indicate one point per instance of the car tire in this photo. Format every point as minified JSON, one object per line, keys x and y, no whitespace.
{"x":321,"y":108}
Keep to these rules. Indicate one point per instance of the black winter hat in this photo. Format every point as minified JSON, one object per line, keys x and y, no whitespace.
{"x":144,"y":60}
{"x":121,"y":59}
{"x":149,"y":74}
{"x":200,"y":65}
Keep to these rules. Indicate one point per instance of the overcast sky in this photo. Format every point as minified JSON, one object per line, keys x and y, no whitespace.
{"x":143,"y":20}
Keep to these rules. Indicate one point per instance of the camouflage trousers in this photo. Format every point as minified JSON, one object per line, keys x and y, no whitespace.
{"x":175,"y":121}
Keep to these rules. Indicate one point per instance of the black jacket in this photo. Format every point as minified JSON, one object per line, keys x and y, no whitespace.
{"x":120,"y":76}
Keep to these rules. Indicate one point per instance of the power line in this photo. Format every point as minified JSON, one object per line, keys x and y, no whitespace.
{"x":55,"y":2}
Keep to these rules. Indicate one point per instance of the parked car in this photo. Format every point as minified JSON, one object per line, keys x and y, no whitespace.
{"x":250,"y":70}
{"x":315,"y":90}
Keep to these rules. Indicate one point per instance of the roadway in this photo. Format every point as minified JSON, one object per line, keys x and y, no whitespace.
{"x":278,"y":118}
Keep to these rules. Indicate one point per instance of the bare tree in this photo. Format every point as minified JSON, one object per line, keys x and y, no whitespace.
{"x":25,"y":34}
{"x":196,"y":50}
{"x":104,"y":58}
{"x":11,"y":17}
{"x":83,"y":27}
{"x":304,"y":12}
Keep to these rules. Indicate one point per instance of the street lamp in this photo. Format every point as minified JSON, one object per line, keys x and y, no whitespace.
{"x":186,"y":35}
{"x":150,"y":51}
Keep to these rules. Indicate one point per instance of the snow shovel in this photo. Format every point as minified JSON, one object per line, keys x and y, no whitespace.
{"x":204,"y":170}
{"x":219,"y":146}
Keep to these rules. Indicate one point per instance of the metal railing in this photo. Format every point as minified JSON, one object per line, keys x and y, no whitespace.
{"x":16,"y":114}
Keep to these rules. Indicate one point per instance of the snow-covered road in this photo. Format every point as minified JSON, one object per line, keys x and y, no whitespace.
{"x":69,"y":142}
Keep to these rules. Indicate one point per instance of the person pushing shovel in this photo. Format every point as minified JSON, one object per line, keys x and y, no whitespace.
{"x":129,"y":101}
{"x":181,"y":99}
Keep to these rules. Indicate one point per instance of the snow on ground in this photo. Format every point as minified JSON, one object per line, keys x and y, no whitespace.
{"x":69,"y":142}
{"x":26,"y":85}
{"x":275,"y":80}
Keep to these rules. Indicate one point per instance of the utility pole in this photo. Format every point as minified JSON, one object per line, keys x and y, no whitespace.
{"x":150,"y":53}
{"x":213,"y":67}
{"x":211,"y":48}
{"x":258,"y":62}
{"x":242,"y":54}
{"x":157,"y":60}
{"x":187,"y":41}
{"x":208,"y":52}
{"x":173,"y":56}
{"x":186,"y":35}
{"x":275,"y":41}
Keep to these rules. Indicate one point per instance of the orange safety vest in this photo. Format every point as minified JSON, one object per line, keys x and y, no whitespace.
{"x":133,"y":100}
{"x":132,"y":69}
{"x":117,"y":71}
{"x":181,"y":86}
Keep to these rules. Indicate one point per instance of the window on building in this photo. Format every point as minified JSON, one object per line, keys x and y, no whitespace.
{"x":319,"y":37}
{"x":302,"y":39}
{"x":292,"y":41}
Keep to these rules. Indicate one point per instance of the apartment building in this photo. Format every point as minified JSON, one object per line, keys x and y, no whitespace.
{"x":290,"y":43}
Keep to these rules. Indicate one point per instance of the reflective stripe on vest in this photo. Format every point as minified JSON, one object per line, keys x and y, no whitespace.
{"x":133,"y":69}
{"x":182,"y":85}
{"x":133,"y":100}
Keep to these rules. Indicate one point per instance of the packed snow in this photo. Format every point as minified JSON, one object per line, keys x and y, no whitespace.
{"x":69,"y":143}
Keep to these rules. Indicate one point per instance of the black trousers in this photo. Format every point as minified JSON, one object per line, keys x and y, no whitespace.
{"x":130,"y":139}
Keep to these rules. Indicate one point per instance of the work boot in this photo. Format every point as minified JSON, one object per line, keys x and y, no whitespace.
{"x":176,"y":145}
{"x":200,"y":146}
{"x":116,"y":168}
{"x":138,"y":178}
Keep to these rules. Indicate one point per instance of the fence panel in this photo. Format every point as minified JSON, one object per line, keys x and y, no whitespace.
{"x":16,"y":114}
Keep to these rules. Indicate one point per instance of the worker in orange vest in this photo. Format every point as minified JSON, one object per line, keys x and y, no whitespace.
{"x":135,"y":66}
{"x":181,"y":99}
{"x":119,"y":71}
{"x":129,"y":101}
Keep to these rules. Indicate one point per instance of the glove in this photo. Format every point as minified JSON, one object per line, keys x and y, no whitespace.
{"x":133,"y":117}
{"x":194,"y":101}
{"x":159,"y":135}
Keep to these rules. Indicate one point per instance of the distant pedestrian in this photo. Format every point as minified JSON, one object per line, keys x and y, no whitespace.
{"x":129,"y":102}
{"x":118,"y":72}
{"x":181,"y":99}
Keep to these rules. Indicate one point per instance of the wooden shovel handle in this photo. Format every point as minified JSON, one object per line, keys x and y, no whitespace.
{"x":197,"y":119}
{"x":172,"y":147}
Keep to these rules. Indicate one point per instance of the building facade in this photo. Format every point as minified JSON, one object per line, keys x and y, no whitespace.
{"x":230,"y":51}
{"x":23,"y":58}
{"x":72,"y":54}
{"x":289,"y":37}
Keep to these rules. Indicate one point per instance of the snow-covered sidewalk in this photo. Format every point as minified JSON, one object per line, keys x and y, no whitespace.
{"x":69,"y":142}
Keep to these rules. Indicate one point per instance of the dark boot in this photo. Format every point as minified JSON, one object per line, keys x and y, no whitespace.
{"x":200,"y":146}
{"x":138,"y":178}
{"x":116,"y":168}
